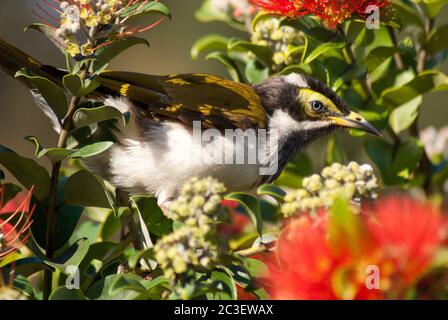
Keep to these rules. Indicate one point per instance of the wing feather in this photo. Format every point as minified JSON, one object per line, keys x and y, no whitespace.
{"x":215,"y":101}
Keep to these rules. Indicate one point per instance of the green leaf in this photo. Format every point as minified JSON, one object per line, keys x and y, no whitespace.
{"x":251,"y":206}
{"x":63,"y":293}
{"x":50,"y":33}
{"x":146,"y":254}
{"x":434,"y":7}
{"x":27,"y":172}
{"x":354,"y":30}
{"x":26,"y":266}
{"x":402,"y":117}
{"x":256,"y":268}
{"x":92,"y":150}
{"x":126,"y":282}
{"x":438,"y":40}
{"x":118,"y":287}
{"x":258,"y":18}
{"x":425,"y":82}
{"x":156,"y":222}
{"x":312,"y":28}
{"x":407,"y":14}
{"x":53,"y":95}
{"x":86,"y":116}
{"x":378,"y":56}
{"x":263,"y":53}
{"x":296,"y":68}
{"x":110,"y":226}
{"x":99,"y":257}
{"x":256,"y":72}
{"x":225,"y":286}
{"x":396,"y":166}
{"x":157,"y":282}
{"x":54,"y":154}
{"x":87,"y":229}
{"x":211,"y":42}
{"x":23,"y":284}
{"x":273,"y":191}
{"x":67,"y":218}
{"x":153,"y":7}
{"x":79,"y":87}
{"x":72,"y":257}
{"x":323,"y":48}
{"x":228,"y":62}
{"x":106,"y":54}
{"x":84,"y":189}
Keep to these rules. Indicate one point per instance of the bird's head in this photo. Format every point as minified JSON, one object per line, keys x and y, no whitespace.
{"x":303,"y":108}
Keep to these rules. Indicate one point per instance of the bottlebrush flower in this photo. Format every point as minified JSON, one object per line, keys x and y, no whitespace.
{"x":73,"y":21}
{"x":14,"y":229}
{"x":407,"y":234}
{"x":306,"y":264}
{"x":332,"y":12}
{"x":402,"y":235}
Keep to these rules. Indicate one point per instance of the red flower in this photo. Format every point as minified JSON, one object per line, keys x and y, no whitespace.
{"x":332,"y":12}
{"x":14,"y":229}
{"x":311,"y":263}
{"x":306,"y":264}
{"x":243,"y":294}
{"x":238,"y":223}
{"x":407,"y":234}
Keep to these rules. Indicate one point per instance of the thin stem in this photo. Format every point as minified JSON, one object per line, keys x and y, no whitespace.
{"x":397,"y":56}
{"x":365,"y":83}
{"x":51,"y":226}
{"x":425,"y":166}
{"x":55,"y":173}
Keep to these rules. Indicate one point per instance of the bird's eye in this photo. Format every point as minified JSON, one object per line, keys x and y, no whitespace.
{"x":317,"y":106}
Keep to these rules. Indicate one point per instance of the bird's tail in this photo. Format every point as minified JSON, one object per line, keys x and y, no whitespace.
{"x":13,"y":60}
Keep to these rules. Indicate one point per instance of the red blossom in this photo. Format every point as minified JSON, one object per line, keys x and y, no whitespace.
{"x":306,"y":264}
{"x":403,"y":235}
{"x":238,"y":222}
{"x":49,"y":13}
{"x":14,"y":228}
{"x":407,"y":234}
{"x":332,"y":12}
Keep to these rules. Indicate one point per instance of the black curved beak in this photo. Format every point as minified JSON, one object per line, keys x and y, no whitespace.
{"x":355,"y":121}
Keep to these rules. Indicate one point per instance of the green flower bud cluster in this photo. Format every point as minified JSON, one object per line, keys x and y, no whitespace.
{"x":354,"y":181}
{"x":185,"y":247}
{"x":198,"y":203}
{"x":269,"y":32}
{"x":192,"y":245}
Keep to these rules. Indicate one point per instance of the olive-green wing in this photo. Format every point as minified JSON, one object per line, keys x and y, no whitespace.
{"x":217,"y":102}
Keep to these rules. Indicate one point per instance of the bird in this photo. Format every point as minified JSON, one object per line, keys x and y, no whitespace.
{"x":157,"y":151}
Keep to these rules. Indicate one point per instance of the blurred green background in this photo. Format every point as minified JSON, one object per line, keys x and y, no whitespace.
{"x":169,"y":53}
